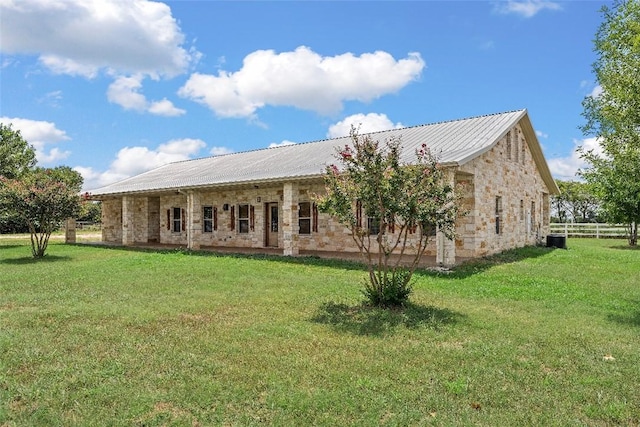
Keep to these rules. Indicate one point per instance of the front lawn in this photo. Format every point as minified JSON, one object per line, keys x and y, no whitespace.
{"x":99,"y":336}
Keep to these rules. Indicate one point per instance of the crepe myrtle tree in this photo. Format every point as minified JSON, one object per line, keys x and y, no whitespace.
{"x":43,"y":198}
{"x":403,"y":205}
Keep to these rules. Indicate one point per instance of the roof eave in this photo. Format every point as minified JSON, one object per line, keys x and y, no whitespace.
{"x":248,"y":183}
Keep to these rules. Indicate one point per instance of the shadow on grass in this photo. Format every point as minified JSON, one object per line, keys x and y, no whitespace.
{"x":299,"y":260}
{"x":475,"y":266}
{"x":9,"y":246}
{"x":462,"y":271}
{"x":626,"y":247}
{"x":630,"y":318}
{"x":31,"y":260}
{"x":366,"y":320}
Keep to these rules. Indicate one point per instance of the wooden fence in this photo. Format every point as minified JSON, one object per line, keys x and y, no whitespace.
{"x":596,"y":230}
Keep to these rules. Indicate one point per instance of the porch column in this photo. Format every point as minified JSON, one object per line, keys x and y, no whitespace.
{"x":290,"y":227}
{"x":446,"y":248}
{"x":70,"y":230}
{"x":194,"y":220}
{"x":128,"y":220}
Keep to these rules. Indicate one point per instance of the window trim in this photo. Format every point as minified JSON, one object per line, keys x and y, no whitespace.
{"x":307,"y":218}
{"x":498,"y":215}
{"x":208,"y":220}
{"x":243,"y":221}
{"x":177,"y":220}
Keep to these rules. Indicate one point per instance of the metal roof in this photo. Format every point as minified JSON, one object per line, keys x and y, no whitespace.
{"x":454,"y":142}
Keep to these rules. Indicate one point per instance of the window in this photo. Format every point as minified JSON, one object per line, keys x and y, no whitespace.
{"x":533,"y":215}
{"x":521,"y":210}
{"x":498,"y":215}
{"x":516,"y":148}
{"x":509,"y":145}
{"x":304,"y":217}
{"x":207,"y":219}
{"x":524,"y":150}
{"x":373,"y":225}
{"x":243,"y":218}
{"x":177,"y":220}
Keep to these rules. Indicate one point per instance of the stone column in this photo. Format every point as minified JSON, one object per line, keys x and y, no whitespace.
{"x":446,"y":248}
{"x":194,"y":220}
{"x":128,"y":220}
{"x":70,"y":230}
{"x":290,"y":226}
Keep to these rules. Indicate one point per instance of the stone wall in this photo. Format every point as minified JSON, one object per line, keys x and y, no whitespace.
{"x":112,"y":220}
{"x":507,"y":172}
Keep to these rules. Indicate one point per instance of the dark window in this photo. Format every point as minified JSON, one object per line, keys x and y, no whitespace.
{"x":207,"y":219}
{"x":498,"y":214}
{"x":373,"y":225}
{"x":177,"y":220}
{"x":243,"y":218}
{"x":304,"y":217}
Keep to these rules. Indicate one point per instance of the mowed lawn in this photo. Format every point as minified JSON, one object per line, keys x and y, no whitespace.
{"x":99,"y":336}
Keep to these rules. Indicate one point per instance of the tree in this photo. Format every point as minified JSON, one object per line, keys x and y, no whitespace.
{"x":398,"y":201}
{"x":43,"y":199}
{"x":576,"y":202}
{"x":613,"y":116}
{"x":616,"y":181}
{"x":90,"y":211}
{"x":17,"y":157}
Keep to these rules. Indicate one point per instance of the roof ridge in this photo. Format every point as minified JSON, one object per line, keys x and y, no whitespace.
{"x":345,"y":136}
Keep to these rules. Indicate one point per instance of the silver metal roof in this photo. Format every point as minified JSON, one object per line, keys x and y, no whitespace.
{"x":454,"y":142}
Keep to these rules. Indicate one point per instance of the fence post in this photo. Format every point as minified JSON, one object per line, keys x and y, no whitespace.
{"x":566,"y":230}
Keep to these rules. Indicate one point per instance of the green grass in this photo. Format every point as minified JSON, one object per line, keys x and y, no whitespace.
{"x":98,"y":336}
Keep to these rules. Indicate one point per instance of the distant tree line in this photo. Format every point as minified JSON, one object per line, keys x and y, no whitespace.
{"x":576,"y":203}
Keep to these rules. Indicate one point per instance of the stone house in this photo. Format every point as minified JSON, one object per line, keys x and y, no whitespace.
{"x":264,"y":198}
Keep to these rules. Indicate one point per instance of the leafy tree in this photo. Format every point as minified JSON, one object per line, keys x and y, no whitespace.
{"x":616,"y":181}
{"x":17,"y":157}
{"x":43,"y":199}
{"x":576,"y":202}
{"x":386,"y":204}
{"x":614,"y":115}
{"x":90,"y":212}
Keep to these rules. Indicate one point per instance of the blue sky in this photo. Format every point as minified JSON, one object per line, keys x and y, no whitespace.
{"x":114,"y":88}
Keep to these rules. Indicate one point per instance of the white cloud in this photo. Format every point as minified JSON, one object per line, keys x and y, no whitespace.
{"x":39,"y":134}
{"x":565,"y":168}
{"x":371,"y":122}
{"x":541,"y":134}
{"x":596,"y":92}
{"x":165,"y":108}
{"x":80,"y":37}
{"x":68,"y":66}
{"x":302,"y":79}
{"x":526,"y":8}
{"x":220,"y":151}
{"x":281,"y":144}
{"x":124,"y":91}
{"x":135,"y":160}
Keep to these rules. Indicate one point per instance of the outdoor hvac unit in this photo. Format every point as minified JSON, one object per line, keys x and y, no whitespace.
{"x":557,"y":241}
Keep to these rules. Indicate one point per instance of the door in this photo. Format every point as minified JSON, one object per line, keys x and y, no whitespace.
{"x":271,"y":225}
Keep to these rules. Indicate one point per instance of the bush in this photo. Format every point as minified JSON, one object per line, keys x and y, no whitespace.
{"x":391,"y":291}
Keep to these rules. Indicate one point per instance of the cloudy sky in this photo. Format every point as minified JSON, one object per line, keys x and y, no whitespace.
{"x":113,"y":88}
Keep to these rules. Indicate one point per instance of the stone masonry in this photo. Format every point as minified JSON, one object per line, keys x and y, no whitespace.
{"x":504,"y":196}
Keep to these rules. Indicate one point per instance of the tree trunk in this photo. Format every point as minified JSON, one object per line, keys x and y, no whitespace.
{"x":633,"y":234}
